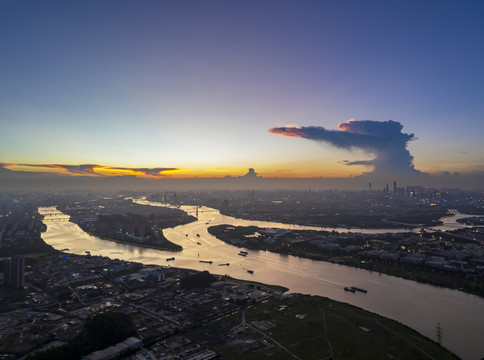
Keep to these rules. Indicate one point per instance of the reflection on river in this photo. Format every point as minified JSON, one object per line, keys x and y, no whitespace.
{"x":417,"y":305}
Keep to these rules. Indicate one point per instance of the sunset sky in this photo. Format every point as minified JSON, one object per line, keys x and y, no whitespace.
{"x":196,"y":88}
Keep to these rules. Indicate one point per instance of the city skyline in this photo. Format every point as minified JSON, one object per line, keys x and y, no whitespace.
{"x":195,"y":90}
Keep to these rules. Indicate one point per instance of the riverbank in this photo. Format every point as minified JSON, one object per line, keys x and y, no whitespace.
{"x":312,"y":327}
{"x":355,"y":251}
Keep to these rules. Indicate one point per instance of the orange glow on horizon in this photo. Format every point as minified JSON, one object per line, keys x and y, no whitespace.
{"x":306,"y":169}
{"x":115,"y":171}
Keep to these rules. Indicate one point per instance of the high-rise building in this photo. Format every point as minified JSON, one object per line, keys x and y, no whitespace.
{"x":13,"y":272}
{"x":394,"y":186}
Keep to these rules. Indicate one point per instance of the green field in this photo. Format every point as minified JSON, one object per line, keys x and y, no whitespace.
{"x":310,"y":327}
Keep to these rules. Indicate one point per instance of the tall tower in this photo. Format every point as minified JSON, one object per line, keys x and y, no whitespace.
{"x":13,"y":272}
{"x":394,"y":186}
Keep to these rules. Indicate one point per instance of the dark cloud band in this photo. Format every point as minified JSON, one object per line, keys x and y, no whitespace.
{"x":93,"y":169}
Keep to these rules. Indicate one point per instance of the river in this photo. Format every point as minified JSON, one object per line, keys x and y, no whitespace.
{"x":418,"y":306}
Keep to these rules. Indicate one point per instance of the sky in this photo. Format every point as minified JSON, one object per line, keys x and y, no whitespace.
{"x":197,"y":88}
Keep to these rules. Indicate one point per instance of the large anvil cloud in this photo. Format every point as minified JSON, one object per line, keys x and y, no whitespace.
{"x":383,"y":139}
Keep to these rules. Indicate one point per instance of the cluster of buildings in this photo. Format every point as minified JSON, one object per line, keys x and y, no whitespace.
{"x":63,"y":291}
{"x":460,"y":252}
{"x":333,"y":208}
{"x":455,"y":255}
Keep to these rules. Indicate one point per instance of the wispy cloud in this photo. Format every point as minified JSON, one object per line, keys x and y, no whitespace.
{"x":72,"y":169}
{"x":383,"y":139}
{"x":6,"y":165}
{"x":94,"y":169}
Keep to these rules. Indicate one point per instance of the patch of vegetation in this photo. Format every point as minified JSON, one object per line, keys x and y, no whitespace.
{"x":426,"y":218}
{"x":32,"y":248}
{"x":470,"y":209}
{"x":280,"y":288}
{"x":472,"y":220}
{"x":107,"y":329}
{"x":199,"y":280}
{"x":312,"y":327}
{"x":100,"y":332}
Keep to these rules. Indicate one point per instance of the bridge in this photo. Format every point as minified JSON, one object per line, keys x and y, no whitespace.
{"x":196,"y":211}
{"x":56,"y":218}
{"x":52,"y":214}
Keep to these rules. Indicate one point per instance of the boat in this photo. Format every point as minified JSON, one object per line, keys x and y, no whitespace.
{"x":242,"y":254}
{"x":87,"y":252}
{"x":359,"y":289}
{"x":170,"y":259}
{"x":250,"y":271}
{"x":349,"y":289}
{"x":206,"y":262}
{"x":226,"y":264}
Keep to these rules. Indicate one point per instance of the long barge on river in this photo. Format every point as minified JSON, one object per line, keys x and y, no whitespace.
{"x":354,"y":289}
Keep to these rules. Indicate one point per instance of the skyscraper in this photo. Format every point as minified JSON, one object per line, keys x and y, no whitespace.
{"x":13,"y":272}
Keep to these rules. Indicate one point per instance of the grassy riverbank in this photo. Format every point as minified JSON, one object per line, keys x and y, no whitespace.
{"x":312,"y":327}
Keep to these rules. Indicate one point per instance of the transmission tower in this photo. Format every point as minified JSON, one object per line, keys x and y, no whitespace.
{"x":439,"y":333}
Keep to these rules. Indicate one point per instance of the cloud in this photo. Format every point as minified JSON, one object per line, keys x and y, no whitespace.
{"x":383,"y":139}
{"x":143,"y":171}
{"x":73,"y":169}
{"x":97,"y":170}
{"x":6,"y":165}
{"x":4,"y":168}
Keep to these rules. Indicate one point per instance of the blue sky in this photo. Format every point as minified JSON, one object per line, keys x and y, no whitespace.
{"x":196,"y":85}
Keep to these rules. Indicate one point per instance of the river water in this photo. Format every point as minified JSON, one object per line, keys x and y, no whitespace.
{"x":418,"y":306}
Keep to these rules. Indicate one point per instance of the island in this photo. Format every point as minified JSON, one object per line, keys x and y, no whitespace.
{"x":124,"y":221}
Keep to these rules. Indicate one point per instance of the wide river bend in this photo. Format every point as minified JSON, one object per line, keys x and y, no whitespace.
{"x":416,"y":305}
